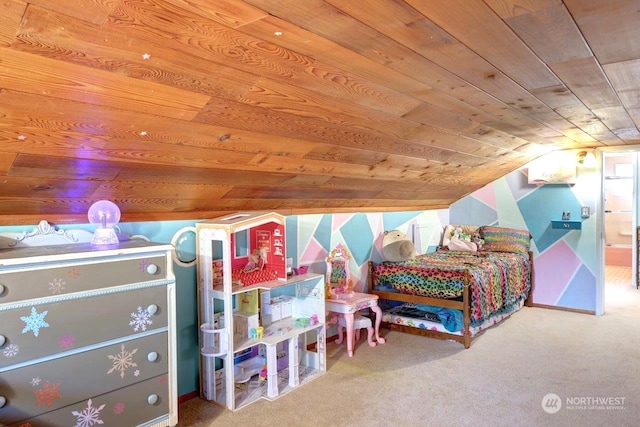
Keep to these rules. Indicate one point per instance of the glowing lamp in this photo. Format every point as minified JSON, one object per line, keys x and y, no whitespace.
{"x":104,"y":215}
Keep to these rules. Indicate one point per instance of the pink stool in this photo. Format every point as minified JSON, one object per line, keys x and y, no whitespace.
{"x":359,"y":322}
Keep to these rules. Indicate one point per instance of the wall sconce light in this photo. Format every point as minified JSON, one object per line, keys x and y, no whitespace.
{"x":587,"y":159}
{"x":104,"y":215}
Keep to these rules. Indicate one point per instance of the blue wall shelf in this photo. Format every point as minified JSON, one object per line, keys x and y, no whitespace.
{"x":566,"y":224}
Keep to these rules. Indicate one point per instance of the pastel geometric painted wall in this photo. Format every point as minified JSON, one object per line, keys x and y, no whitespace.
{"x":564,"y":260}
{"x":310,"y":238}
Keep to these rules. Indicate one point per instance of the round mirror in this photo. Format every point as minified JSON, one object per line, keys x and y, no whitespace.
{"x":184,"y":245}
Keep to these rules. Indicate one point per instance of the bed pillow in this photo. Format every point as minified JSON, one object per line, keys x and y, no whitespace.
{"x":502,"y":239}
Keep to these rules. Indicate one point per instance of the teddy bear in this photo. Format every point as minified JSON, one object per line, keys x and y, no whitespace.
{"x":478,"y":240}
{"x":397,"y":247}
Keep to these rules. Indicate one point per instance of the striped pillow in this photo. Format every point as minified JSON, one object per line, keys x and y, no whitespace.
{"x":502,"y":239}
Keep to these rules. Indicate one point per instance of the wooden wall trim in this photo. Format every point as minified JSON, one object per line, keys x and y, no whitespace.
{"x":554,"y":307}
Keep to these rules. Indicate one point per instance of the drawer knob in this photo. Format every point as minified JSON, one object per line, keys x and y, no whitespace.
{"x":3,"y":340}
{"x":152,"y":356}
{"x":3,"y":401}
{"x":152,"y":399}
{"x":2,"y":288}
{"x":152,"y":309}
{"x":152,"y":269}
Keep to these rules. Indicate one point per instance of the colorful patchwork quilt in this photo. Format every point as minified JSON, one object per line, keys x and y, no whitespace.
{"x":497,"y":280}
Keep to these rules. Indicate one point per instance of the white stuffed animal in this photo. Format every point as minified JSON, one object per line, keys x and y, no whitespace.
{"x":396,"y":246}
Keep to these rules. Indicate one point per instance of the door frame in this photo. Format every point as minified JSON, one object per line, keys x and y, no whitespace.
{"x":600,"y":241}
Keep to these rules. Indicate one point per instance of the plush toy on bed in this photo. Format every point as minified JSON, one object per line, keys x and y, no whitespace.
{"x":478,"y":240}
{"x":459,"y":234}
{"x":396,"y":246}
{"x":461,"y":241}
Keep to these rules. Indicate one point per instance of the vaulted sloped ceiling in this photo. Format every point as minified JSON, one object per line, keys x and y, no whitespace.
{"x":192,"y":108}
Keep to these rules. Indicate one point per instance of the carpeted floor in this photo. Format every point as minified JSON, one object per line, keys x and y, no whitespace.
{"x":591,"y":363}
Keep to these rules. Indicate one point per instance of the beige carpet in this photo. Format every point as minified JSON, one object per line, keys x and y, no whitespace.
{"x":500,"y":381}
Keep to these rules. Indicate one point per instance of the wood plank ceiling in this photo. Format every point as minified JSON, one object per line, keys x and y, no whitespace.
{"x":186,"y":109}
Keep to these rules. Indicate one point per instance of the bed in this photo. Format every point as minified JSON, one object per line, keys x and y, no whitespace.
{"x":457,"y":294}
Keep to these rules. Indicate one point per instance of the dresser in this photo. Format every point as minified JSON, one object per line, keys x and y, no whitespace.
{"x":87,"y":336}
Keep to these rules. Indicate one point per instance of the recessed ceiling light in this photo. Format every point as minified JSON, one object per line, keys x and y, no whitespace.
{"x":277,"y":33}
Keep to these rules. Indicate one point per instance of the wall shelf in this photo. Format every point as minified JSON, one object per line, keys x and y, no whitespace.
{"x":566,"y":224}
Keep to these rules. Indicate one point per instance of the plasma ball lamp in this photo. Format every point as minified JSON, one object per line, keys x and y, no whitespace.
{"x":104,"y":215}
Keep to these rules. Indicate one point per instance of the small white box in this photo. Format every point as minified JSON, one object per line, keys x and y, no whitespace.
{"x":281,"y":308}
{"x":286,"y":306}
{"x":276,"y":310}
{"x":244,"y":322}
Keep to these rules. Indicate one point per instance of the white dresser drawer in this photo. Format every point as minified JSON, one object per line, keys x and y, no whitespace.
{"x":43,"y":387}
{"x":42,"y":330}
{"x":131,"y":406}
{"x":27,"y":281}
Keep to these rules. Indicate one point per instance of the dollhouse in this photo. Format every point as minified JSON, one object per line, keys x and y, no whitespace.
{"x":261,"y":334}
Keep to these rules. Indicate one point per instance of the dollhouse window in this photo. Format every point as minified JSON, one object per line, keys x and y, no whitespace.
{"x":242,"y":243}
{"x":216,"y":249}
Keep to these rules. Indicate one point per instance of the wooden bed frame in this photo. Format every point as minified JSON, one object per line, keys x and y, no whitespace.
{"x":464,"y":305}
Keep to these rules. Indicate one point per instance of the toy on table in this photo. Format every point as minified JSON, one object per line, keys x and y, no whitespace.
{"x":303,"y":322}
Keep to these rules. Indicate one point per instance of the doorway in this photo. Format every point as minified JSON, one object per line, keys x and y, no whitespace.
{"x":619,"y":199}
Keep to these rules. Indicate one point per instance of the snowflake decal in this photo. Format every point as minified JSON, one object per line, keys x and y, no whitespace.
{"x":118,"y":408}
{"x":122,"y":361}
{"x":47,"y":394}
{"x":144,"y":264}
{"x":56,"y":286}
{"x":35,"y":381}
{"x":66,"y":341}
{"x":136,"y":373}
{"x":74,"y":273}
{"x":34,"y":321}
{"x":89,"y":415}
{"x":12,"y":350}
{"x":141,"y":319}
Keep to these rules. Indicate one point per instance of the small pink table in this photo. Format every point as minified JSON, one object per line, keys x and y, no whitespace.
{"x":348,"y":304}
